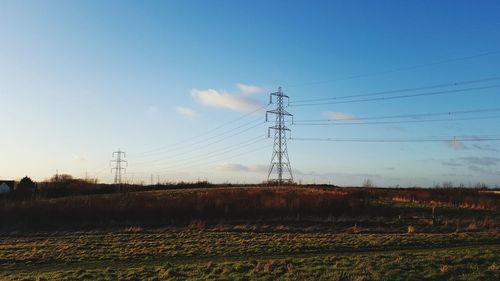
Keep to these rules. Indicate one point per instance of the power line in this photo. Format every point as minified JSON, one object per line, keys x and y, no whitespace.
{"x":394,"y":70}
{"x":227,"y":149}
{"x":218,"y":160}
{"x":196,"y":162}
{"x":189,"y":145}
{"x":99,"y":171}
{"x":459,"y":91}
{"x":254,"y":124}
{"x":203,"y":143}
{"x":452,"y":84}
{"x":429,"y":139}
{"x":398,"y":122}
{"x":190,"y":139}
{"x":415,"y":115}
{"x":219,"y":151}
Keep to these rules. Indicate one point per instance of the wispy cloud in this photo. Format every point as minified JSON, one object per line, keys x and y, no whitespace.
{"x":340,"y":116}
{"x":336,"y":175}
{"x":484,"y":170}
{"x":233,"y":167}
{"x":214,"y":98}
{"x":457,"y":175}
{"x":77,"y":157}
{"x":456,"y":145}
{"x":451,"y":163}
{"x":484,"y":147}
{"x":483,"y":165}
{"x":481,"y":161}
{"x":188,"y":112}
{"x":249,"y":89}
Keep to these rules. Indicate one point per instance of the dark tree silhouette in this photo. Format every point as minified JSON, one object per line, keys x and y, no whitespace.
{"x":25,"y":188}
{"x":26,"y":185}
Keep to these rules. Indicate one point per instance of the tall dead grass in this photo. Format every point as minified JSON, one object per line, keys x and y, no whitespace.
{"x":181,"y":206}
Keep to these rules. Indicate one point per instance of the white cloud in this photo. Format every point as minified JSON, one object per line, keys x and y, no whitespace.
{"x":340,"y":116}
{"x":185,"y":111}
{"x":77,"y":157}
{"x":456,"y":145}
{"x":249,"y":89}
{"x":215,"y":98}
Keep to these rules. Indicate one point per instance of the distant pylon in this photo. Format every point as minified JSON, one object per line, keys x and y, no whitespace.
{"x":279,"y":161}
{"x":118,"y":168}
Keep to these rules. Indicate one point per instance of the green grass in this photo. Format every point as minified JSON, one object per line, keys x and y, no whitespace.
{"x":473,"y":264}
{"x":172,"y":254}
{"x":75,"y":247}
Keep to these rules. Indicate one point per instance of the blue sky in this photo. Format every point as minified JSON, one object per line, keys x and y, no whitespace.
{"x":80,"y":79}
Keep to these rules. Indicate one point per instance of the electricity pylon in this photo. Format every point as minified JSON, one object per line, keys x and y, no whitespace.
{"x":279,"y":161}
{"x":118,"y":168}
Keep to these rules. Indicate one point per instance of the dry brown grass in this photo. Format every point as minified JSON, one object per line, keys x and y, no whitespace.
{"x":241,"y":206}
{"x":444,"y":268}
{"x":133,"y":229}
{"x":192,"y":205}
{"x":411,"y":229}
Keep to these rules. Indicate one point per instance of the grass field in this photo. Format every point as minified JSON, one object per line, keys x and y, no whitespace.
{"x":253,"y":234}
{"x":180,"y":254}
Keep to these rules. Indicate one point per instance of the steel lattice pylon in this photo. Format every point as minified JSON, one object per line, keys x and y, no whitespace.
{"x":118,"y":168}
{"x":279,"y":161}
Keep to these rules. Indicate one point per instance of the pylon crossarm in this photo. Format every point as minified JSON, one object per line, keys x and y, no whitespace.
{"x":283,"y":112}
{"x":279,"y":94}
{"x":280,"y":129}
